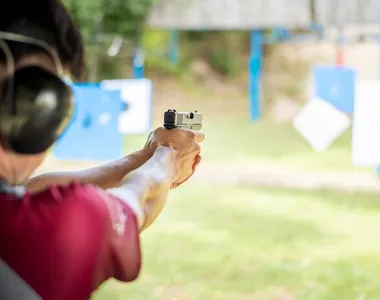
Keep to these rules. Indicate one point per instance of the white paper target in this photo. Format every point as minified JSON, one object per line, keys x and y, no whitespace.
{"x":320,"y":123}
{"x":137,"y":94}
{"x":366,"y":125}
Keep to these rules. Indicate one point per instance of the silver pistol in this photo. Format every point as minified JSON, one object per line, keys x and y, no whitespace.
{"x":187,"y":120}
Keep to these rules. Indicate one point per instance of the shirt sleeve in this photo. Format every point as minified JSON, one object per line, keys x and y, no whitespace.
{"x":124,"y":238}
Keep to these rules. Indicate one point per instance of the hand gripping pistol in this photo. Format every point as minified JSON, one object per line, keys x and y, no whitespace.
{"x":187,"y":120}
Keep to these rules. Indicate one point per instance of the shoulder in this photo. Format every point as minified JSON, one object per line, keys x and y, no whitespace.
{"x":78,"y":202}
{"x":74,"y":193}
{"x":100,"y":228}
{"x":94,"y":214}
{"x":122,"y":226}
{"x":100,"y":206}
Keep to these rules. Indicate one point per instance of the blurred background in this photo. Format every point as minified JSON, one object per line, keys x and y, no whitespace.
{"x":285,"y":204}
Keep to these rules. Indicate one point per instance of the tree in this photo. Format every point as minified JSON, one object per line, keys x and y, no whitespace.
{"x":100,"y":18}
{"x":124,"y":17}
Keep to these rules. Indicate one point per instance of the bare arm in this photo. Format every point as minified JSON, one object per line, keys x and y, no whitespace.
{"x":146,"y":188}
{"x":105,"y":176}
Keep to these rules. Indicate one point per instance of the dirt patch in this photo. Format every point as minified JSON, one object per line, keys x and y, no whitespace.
{"x":273,"y":176}
{"x":259,"y":176}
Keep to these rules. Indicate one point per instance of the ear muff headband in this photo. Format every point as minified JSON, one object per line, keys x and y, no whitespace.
{"x":35,"y":105}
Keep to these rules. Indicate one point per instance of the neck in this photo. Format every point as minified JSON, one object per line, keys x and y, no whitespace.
{"x":9,"y":176}
{"x":14,"y":169}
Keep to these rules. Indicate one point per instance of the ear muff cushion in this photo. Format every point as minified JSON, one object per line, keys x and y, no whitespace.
{"x":40,"y":105}
{"x":30,"y":145}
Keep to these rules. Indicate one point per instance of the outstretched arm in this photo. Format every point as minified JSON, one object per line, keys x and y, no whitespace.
{"x":109,"y":175}
{"x":104,"y":176}
{"x":146,"y":189}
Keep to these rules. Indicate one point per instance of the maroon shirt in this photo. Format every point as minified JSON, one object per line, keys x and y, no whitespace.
{"x":66,"y":241}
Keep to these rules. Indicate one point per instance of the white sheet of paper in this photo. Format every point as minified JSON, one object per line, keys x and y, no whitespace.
{"x":137,"y":93}
{"x":320,"y":123}
{"x":366,"y":125}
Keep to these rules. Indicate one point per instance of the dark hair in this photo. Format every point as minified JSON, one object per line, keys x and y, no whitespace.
{"x":47,"y":20}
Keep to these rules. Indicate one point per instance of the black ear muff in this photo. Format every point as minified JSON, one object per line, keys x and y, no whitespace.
{"x":35,"y":107}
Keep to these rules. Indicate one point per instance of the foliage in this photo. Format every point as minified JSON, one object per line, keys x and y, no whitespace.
{"x":224,"y":61}
{"x":126,"y":17}
{"x":110,"y":68}
{"x":123,"y":17}
{"x":101,"y":19}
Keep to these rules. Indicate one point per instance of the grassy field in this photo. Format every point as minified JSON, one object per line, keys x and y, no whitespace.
{"x":238,"y":141}
{"x":231,"y":243}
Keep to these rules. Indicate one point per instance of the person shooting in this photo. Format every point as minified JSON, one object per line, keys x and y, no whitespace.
{"x":63,"y":234}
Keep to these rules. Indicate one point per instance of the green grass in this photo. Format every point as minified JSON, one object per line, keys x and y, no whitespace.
{"x":237,"y":141}
{"x":231,"y":243}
